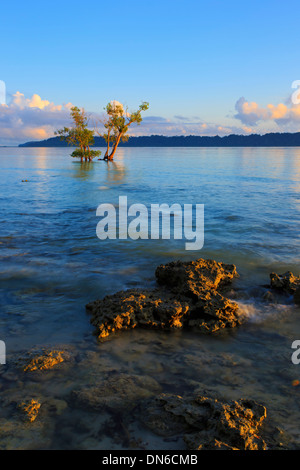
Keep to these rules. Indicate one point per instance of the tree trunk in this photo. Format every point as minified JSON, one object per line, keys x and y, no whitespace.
{"x":89,"y":154}
{"x":111,"y":156}
{"x":107,"y":149}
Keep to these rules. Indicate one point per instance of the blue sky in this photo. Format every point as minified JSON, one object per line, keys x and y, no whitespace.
{"x":191,"y":60}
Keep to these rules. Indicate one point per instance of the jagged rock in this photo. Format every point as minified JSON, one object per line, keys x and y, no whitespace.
{"x":194,"y":278}
{"x":30,"y":409}
{"x":286,"y":283}
{"x":189,"y":296}
{"x":121,"y":392}
{"x":44,"y":361}
{"x":136,"y":307}
{"x":207,"y":423}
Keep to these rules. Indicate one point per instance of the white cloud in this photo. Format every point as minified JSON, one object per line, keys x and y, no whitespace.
{"x":35,"y":118}
{"x":286,"y":116}
{"x":155,"y":125}
{"x":30,"y":119}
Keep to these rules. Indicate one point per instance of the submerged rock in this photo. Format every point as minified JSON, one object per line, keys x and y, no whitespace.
{"x":207,"y":423}
{"x":190,"y":295}
{"x":116,"y":393}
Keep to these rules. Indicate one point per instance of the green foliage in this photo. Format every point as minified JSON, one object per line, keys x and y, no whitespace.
{"x":79,"y":135}
{"x":117,"y":124}
{"x":79,"y":153}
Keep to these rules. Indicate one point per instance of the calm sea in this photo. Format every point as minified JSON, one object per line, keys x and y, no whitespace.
{"x":52,"y":262}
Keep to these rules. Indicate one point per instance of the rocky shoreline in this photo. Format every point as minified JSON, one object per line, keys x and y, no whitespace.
{"x":190,"y":295}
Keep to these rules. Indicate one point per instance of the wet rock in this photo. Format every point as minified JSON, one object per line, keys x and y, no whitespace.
{"x":120,"y":392}
{"x":45,"y":360}
{"x":30,"y":409}
{"x":20,"y":435}
{"x":207,"y":423}
{"x":190,"y":295}
{"x":136,"y":307}
{"x":286,"y":283}
{"x":194,"y":278}
{"x":268,"y":296}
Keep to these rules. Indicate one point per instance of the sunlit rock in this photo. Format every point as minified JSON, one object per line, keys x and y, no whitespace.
{"x":30,"y":409}
{"x":286,"y":283}
{"x":44,"y":361}
{"x":189,"y":295}
{"x":207,"y":423}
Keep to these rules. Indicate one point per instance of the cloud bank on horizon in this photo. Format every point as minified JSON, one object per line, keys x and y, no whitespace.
{"x":30,"y":118}
{"x":284,"y":114}
{"x":34,"y":118}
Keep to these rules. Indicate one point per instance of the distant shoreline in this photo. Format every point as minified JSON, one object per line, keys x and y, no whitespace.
{"x":233,"y":140}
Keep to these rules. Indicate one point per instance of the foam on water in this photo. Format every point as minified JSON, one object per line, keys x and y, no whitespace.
{"x":258,"y":312}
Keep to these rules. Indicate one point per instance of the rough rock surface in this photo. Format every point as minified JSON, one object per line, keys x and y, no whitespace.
{"x":193,"y":278}
{"x":116,"y":393}
{"x":44,"y":361}
{"x":190,"y":295}
{"x":30,"y":409}
{"x":287,"y":283}
{"x":207,"y":423}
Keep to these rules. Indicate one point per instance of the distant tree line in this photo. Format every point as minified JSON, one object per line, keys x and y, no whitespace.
{"x":253,"y":140}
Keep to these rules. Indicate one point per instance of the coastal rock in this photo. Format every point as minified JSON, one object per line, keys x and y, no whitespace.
{"x":121,"y":392}
{"x":44,"y":360}
{"x":30,"y":409}
{"x":194,"y":278}
{"x":286,"y":283}
{"x":20,"y":435}
{"x":189,"y":296}
{"x":136,"y":307}
{"x":207,"y":423}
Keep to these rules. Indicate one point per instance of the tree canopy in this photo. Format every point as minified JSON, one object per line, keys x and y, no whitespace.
{"x":117,"y":123}
{"x":79,"y":135}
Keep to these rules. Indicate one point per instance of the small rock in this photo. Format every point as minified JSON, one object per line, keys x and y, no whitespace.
{"x":286,"y":283}
{"x":268,"y":296}
{"x":45,"y":361}
{"x":30,"y":409}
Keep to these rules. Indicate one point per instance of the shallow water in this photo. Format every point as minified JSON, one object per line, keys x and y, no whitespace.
{"x":52,"y":264}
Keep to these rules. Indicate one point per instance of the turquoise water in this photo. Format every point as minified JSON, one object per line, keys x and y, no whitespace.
{"x":52,"y":262}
